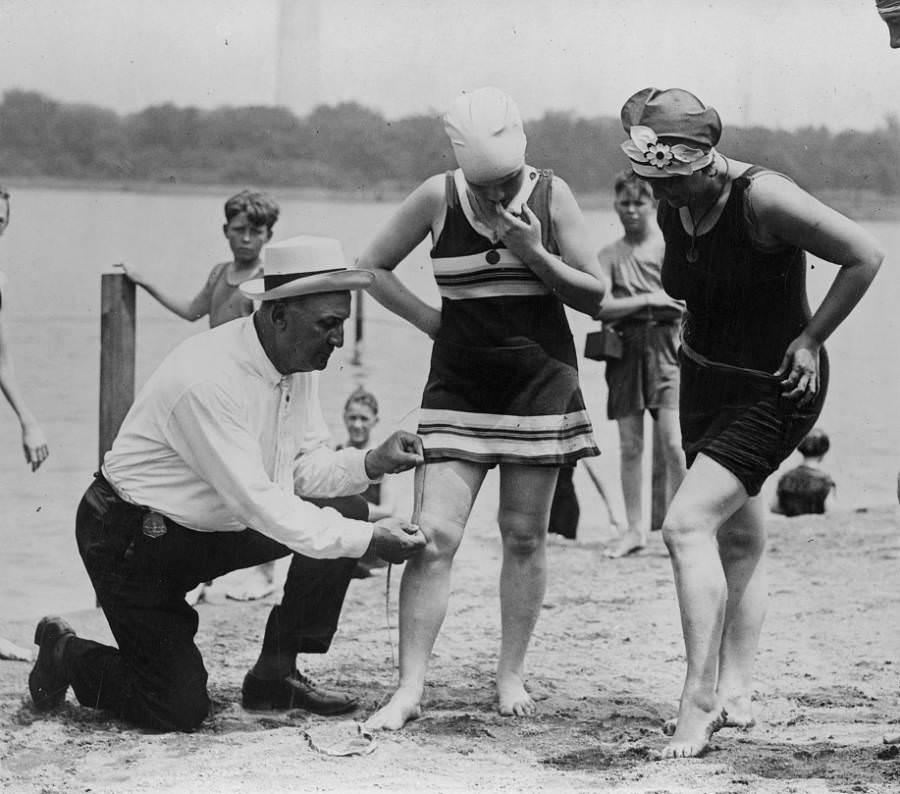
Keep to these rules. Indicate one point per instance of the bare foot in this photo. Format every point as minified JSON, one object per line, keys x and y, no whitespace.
{"x":257,"y":584}
{"x":403,"y":707}
{"x":514,"y":700}
{"x":738,"y":712}
{"x":692,"y":732}
{"x":631,"y":542}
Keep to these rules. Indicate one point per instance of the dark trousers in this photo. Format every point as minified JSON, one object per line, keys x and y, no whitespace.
{"x":156,"y":677}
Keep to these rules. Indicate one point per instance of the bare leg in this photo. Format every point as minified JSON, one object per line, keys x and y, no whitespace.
{"x":707,"y":497}
{"x":607,"y":493}
{"x":525,"y":496}
{"x":742,"y":543}
{"x":673,"y":455}
{"x":631,"y":446}
{"x":448,"y":491}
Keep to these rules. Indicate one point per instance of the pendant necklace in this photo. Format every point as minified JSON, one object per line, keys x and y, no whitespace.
{"x":693,"y":255}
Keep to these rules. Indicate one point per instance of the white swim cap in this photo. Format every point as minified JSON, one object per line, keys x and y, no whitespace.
{"x":485,"y":130}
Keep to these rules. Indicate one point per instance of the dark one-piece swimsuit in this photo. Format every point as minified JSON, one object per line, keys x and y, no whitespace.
{"x":745,"y":305}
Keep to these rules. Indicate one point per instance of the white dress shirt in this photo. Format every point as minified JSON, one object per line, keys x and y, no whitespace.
{"x":218,"y":440}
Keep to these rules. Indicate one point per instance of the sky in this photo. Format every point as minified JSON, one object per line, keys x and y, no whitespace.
{"x":776,"y":63}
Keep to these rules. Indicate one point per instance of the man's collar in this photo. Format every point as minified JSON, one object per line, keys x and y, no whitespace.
{"x":258,"y":356}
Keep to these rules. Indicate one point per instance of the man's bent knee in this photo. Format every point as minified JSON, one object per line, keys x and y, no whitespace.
{"x":181,"y":711}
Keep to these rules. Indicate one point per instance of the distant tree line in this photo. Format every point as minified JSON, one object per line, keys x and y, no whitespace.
{"x":350,"y":147}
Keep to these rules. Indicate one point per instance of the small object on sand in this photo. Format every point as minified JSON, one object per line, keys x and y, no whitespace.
{"x":346,"y":737}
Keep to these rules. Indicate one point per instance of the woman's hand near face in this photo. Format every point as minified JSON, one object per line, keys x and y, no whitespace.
{"x":521,"y":234}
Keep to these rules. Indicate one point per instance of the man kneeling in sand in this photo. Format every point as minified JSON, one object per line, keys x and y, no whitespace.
{"x":214,"y":469}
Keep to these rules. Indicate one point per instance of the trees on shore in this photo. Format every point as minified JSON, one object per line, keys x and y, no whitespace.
{"x":350,"y":147}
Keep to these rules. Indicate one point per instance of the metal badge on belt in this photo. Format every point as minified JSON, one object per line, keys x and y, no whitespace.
{"x":154,"y":525}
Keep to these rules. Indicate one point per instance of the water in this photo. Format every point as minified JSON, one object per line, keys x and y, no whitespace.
{"x":60,"y":241}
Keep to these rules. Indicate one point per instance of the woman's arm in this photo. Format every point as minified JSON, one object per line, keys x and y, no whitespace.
{"x":786,"y":213}
{"x":187,"y":308}
{"x":34,"y":442}
{"x":407,"y":228}
{"x":576,"y":278}
{"x":617,"y":308}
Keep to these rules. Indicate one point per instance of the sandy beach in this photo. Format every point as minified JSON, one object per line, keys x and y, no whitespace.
{"x":606,"y":665}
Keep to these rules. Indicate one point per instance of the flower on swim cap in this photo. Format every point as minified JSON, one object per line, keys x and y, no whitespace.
{"x":485,"y":130}
{"x":673,"y":113}
{"x":653,"y":118}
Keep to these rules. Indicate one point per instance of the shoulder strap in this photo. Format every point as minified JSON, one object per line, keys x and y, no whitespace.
{"x":540,"y":200}
{"x":450,"y":191}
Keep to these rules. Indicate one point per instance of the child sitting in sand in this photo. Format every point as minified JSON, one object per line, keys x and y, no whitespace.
{"x":249,"y":218}
{"x":360,"y":417}
{"x":806,"y":488}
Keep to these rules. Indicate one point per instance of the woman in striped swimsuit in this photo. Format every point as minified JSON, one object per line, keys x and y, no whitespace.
{"x":510,"y":246}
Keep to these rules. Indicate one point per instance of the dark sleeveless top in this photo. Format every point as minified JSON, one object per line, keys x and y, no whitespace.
{"x":745,"y":305}
{"x":503,"y":384}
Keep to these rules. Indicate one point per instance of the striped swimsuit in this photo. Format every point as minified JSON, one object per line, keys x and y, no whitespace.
{"x":503,"y":385}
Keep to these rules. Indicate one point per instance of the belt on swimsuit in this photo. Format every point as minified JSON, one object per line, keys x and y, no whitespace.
{"x":729,"y":369}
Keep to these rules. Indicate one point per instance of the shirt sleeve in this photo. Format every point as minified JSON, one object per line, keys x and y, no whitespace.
{"x":321,"y":471}
{"x":206,"y":428}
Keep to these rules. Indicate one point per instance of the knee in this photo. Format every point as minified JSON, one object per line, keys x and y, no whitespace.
{"x":680,"y":530}
{"x":183,"y":710}
{"x":348,"y":506}
{"x":631,"y":448}
{"x":741,"y":542}
{"x":443,"y":538}
{"x":523,"y":534}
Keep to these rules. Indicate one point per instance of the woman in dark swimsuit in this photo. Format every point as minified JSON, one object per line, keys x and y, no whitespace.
{"x":753,"y":376}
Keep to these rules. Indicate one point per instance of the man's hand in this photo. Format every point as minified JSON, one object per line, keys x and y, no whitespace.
{"x":400,"y":452}
{"x":396,"y":540}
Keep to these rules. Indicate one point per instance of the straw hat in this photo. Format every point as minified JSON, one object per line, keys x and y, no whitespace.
{"x":304,"y":265}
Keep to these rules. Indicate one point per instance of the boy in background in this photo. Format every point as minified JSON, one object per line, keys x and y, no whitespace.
{"x":805,"y":489}
{"x":249,"y":218}
{"x":360,"y":417}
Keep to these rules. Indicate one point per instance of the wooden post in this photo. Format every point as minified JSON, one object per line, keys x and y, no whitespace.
{"x":358,"y":328}
{"x":117,"y":331}
{"x":659,"y":482}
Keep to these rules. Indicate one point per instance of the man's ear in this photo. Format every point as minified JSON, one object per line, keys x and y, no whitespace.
{"x":225,"y":229}
{"x":268,"y":234}
{"x":278,"y":314}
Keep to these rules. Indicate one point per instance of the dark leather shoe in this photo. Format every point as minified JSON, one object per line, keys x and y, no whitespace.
{"x":47,"y":680}
{"x":296,"y":691}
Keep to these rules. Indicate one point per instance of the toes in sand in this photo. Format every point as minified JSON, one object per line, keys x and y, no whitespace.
{"x":402,"y":708}
{"x":691,"y":734}
{"x":738,"y":713}
{"x":514,"y":700}
{"x":630,"y":543}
